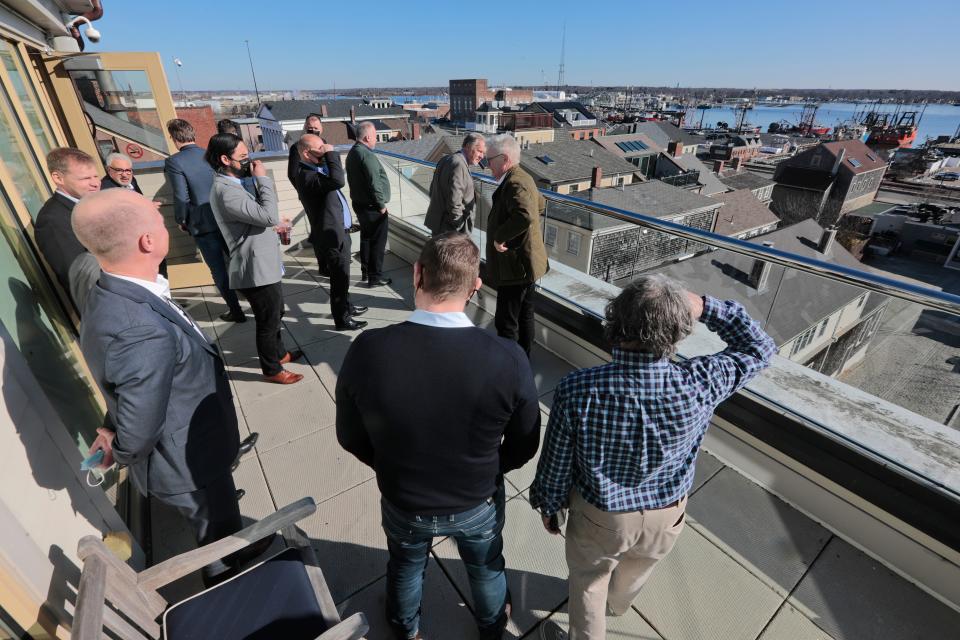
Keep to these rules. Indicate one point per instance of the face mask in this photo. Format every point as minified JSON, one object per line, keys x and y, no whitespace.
{"x":244,"y":167}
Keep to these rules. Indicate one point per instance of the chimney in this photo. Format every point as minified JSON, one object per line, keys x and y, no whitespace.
{"x":737,"y":163}
{"x":415,"y":131}
{"x":353,"y":115}
{"x":323,"y":110}
{"x":675,"y":148}
{"x":840,"y":157}
{"x":595,"y":177}
{"x":718,"y":166}
{"x":760,"y":272}
{"x":826,"y":240}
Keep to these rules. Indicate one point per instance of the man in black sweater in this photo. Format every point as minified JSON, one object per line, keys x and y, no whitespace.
{"x":441,"y":410}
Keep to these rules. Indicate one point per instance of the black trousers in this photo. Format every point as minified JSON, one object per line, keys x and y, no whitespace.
{"x":373,"y":240}
{"x":213,"y":513}
{"x":337,"y":262}
{"x":267,"y":304}
{"x":514,"y":316}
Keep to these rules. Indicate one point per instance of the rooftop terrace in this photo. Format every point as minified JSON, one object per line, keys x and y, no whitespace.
{"x":748,"y":566}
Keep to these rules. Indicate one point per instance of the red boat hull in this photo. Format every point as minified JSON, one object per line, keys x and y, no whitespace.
{"x":893,"y":137}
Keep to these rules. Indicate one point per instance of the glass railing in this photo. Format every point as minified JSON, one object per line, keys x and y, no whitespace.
{"x":865,"y":352}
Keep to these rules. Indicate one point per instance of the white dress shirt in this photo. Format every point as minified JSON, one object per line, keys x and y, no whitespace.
{"x":448,"y":320}
{"x":161,"y":288}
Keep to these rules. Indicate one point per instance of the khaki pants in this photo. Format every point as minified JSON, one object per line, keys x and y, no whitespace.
{"x":610,"y":557}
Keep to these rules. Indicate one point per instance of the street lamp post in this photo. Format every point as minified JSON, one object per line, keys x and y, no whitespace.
{"x":250,"y":57}
{"x":183,"y":96}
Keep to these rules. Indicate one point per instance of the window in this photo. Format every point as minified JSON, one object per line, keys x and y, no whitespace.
{"x":801,"y":341}
{"x":29,"y":101}
{"x":573,"y":243}
{"x":19,"y":160}
{"x":574,"y":188}
{"x":620,"y":180}
{"x":550,"y":235}
{"x":823,"y":327}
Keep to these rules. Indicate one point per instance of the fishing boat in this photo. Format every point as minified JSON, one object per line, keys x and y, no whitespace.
{"x":885,"y":132}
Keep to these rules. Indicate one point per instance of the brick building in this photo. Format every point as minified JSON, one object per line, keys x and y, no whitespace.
{"x":468,"y":95}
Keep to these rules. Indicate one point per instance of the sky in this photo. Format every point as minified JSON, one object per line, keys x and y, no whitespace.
{"x":322,"y":44}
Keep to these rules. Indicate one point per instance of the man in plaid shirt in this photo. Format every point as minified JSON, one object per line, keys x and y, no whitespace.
{"x":623,"y":438}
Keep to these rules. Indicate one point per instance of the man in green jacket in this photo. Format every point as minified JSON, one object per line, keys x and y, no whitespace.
{"x":516,"y":256}
{"x":369,"y":194}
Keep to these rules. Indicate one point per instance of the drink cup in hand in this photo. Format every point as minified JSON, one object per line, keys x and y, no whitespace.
{"x":283,"y":230}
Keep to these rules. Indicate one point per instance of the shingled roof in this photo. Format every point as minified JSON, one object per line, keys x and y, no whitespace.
{"x":571,"y":161}
{"x":742,"y":212}
{"x":802,"y":299}
{"x":300,"y":109}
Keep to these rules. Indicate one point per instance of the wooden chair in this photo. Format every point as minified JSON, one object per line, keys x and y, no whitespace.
{"x":285,"y":596}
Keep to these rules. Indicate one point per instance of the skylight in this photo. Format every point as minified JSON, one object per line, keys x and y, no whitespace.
{"x":856,"y":163}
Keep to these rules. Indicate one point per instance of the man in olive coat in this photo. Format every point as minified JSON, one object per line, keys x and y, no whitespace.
{"x":516,"y":256}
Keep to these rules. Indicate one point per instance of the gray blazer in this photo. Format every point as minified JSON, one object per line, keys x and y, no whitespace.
{"x":247,"y":226}
{"x":452,"y":198}
{"x":168,"y":396}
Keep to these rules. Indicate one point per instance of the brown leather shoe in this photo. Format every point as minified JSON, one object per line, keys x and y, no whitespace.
{"x":284,"y":377}
{"x":291,"y":356}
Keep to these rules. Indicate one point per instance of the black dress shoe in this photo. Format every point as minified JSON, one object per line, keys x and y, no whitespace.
{"x":230,"y":316}
{"x":351,"y":325}
{"x":358,"y":309}
{"x":379,"y":282}
{"x":249,"y":443}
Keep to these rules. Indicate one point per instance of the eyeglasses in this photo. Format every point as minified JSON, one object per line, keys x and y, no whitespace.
{"x":492,"y":158}
{"x":130,"y":171}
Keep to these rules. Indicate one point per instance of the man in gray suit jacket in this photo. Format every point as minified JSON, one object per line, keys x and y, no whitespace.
{"x":452,"y":197}
{"x":250,"y":225}
{"x":171,"y":413}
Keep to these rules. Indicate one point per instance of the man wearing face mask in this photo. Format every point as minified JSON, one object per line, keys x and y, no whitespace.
{"x":319,"y":180}
{"x":250,"y":225}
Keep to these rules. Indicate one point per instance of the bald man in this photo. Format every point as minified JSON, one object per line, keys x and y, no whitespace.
{"x":171,"y":413}
{"x":319,"y":180}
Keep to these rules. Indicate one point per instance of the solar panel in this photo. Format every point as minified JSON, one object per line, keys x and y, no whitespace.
{"x":545,"y":159}
{"x":856,"y":163}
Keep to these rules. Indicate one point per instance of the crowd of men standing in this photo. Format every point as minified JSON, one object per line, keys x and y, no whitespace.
{"x":439,"y":408}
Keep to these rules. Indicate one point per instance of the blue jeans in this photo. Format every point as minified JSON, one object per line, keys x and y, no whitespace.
{"x":214,"y":250}
{"x":478,"y":533}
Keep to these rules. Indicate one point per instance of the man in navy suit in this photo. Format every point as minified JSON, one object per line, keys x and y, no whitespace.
{"x":171,"y":413}
{"x":191,"y":179}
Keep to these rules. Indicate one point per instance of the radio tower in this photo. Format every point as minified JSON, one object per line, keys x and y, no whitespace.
{"x":563,"y":53}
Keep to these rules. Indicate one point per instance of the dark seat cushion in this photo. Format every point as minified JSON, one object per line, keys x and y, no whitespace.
{"x":272,"y":600}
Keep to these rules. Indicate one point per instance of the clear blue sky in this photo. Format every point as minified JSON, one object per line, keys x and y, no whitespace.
{"x":316,"y":44}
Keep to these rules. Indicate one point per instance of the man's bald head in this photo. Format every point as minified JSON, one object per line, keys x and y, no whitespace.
{"x":310,"y":147}
{"x":120,"y":225}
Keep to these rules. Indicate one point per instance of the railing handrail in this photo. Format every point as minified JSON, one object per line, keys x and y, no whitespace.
{"x":926,"y":296}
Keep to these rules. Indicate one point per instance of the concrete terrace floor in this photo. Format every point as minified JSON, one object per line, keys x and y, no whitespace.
{"x":747,"y":566}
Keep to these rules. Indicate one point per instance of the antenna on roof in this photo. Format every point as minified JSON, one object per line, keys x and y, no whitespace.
{"x":563,"y":54}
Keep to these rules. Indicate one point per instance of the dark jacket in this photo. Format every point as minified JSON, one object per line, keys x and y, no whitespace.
{"x":369,"y":187}
{"x":168,"y":396}
{"x":439,"y":436}
{"x":106,"y":182}
{"x":515,"y":220}
{"x":55,"y":238}
{"x":293,"y":162}
{"x":318,"y":195}
{"x":191,"y":179}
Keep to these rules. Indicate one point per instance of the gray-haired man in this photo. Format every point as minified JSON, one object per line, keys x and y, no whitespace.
{"x":452,"y":196}
{"x":623,"y":438}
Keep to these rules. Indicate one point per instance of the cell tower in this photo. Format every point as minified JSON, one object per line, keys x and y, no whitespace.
{"x":563,"y":54}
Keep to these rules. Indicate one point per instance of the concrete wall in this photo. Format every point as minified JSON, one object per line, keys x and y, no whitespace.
{"x":45,"y":503}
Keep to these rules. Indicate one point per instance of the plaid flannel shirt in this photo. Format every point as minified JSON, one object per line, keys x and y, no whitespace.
{"x":626,"y":434}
